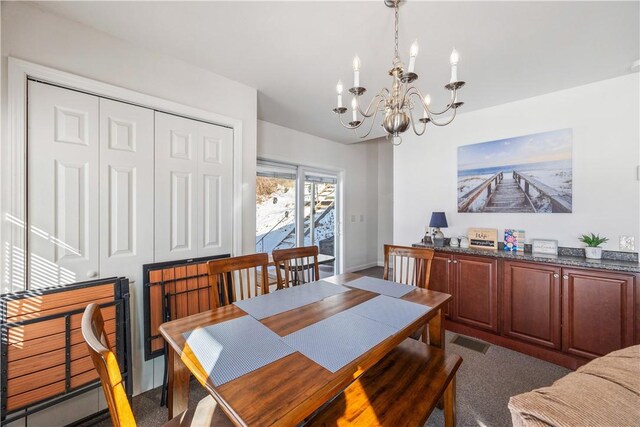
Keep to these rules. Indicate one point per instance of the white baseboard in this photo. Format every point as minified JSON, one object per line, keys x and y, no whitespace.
{"x":361,"y":267}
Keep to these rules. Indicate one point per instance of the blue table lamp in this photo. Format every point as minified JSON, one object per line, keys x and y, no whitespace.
{"x":438,"y":219}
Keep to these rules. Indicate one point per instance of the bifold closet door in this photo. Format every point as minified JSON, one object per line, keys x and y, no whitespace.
{"x":193,"y":194}
{"x":63,"y":165}
{"x":126,"y":189}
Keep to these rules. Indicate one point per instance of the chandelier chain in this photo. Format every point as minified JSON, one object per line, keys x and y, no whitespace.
{"x":396,"y":59}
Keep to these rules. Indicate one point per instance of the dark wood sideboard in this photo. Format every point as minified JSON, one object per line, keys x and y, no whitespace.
{"x":563,"y":314}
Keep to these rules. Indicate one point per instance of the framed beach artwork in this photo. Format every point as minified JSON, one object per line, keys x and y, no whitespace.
{"x":523,"y":174}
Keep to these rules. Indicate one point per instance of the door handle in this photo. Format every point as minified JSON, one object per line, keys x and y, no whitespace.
{"x":449,"y":261}
{"x":455,"y":261}
{"x":556,"y":275}
{"x":92,"y":273}
{"x":565,"y":277}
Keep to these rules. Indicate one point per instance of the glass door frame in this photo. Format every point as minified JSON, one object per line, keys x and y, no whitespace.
{"x":301,"y":176}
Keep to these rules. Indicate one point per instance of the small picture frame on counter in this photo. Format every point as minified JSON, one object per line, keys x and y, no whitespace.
{"x":544,"y":247}
{"x":513,"y":240}
{"x":483,"y":238}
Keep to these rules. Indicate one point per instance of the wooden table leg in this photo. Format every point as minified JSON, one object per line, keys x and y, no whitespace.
{"x":436,"y":331}
{"x":434,"y":335}
{"x":179,"y":377}
{"x":450,"y":404}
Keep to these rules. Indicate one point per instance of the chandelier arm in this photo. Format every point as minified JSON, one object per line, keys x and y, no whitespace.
{"x":370,"y":127}
{"x":367,"y":113}
{"x":415,"y":91}
{"x":453,"y":116}
{"x":413,"y":125}
{"x":347,"y":126}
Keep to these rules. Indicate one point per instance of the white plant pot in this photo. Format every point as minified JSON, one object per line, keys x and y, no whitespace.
{"x":593,"y":253}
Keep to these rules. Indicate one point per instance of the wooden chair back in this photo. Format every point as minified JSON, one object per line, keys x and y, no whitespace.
{"x":411,"y":266}
{"x":106,"y":364}
{"x":238,"y":278}
{"x":296,"y":266}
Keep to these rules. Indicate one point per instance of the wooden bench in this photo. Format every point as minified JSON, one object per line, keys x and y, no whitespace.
{"x":400,"y":390}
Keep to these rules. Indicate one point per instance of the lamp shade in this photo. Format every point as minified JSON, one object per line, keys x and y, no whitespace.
{"x":438,"y":219}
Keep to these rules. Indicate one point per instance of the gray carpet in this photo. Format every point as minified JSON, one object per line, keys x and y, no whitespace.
{"x":486,"y":381}
{"x":484,"y":384}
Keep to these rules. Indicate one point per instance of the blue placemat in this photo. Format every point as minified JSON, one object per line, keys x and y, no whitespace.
{"x":288,"y":299}
{"x":394,"y":312}
{"x":339,"y":339}
{"x":382,"y":287}
{"x":236,"y":347}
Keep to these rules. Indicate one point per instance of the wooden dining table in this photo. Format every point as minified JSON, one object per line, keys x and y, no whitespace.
{"x":289,"y":390}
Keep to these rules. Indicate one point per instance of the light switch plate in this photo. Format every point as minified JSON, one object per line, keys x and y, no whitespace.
{"x":353,"y":218}
{"x":627,"y":243}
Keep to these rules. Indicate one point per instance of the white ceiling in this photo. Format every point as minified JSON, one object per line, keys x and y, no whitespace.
{"x":294,"y":52}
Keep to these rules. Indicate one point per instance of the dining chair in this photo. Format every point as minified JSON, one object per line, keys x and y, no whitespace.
{"x":237,"y":278}
{"x":411,"y":266}
{"x":206,"y":413}
{"x":296,"y":265}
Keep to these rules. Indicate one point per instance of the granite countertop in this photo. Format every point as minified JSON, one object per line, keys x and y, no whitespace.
{"x":572,"y":261}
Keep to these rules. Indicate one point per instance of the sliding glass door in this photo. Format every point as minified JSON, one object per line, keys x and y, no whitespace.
{"x":275,"y":208}
{"x":297,"y":206}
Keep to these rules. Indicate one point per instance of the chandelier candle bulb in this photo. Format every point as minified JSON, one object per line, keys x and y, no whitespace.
{"x":339,"y":90}
{"x":454,"y":66}
{"x":412,"y":55}
{"x":356,"y":71}
{"x":427,"y":102}
{"x":354,"y":105}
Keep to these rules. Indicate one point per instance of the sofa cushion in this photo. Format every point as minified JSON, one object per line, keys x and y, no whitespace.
{"x":605,"y":392}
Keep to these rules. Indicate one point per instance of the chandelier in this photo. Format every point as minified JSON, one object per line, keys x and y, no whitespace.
{"x":398,"y":104}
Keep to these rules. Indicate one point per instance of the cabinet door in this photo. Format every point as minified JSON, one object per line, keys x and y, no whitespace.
{"x":476,"y":292}
{"x":531,"y":303}
{"x":597,"y":312}
{"x":63,"y":156}
{"x":440,"y":279}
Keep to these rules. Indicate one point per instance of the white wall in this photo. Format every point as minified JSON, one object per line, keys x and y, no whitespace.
{"x":605,"y":118}
{"x":43,"y":38}
{"x":385,"y":197}
{"x":359,"y":162}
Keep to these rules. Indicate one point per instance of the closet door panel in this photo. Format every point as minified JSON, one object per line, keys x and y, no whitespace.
{"x":63,"y":165}
{"x":126,"y":188}
{"x":215,"y":193}
{"x":175,"y":170}
{"x":194,"y":198}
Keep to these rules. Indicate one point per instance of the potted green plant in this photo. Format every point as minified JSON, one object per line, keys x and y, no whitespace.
{"x":593,"y":242}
